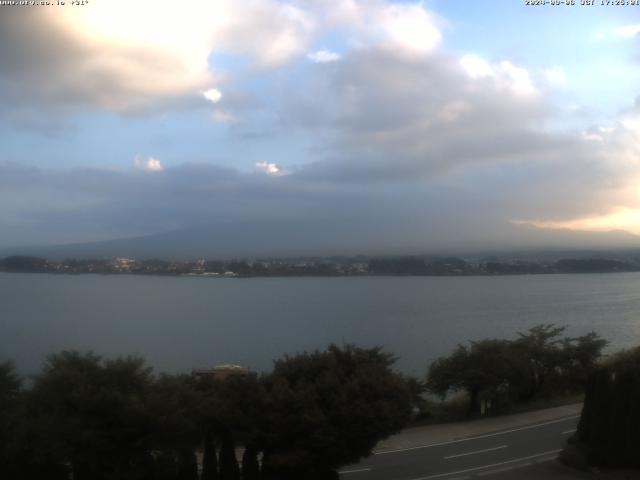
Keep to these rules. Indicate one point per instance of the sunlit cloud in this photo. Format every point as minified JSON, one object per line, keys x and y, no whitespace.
{"x":410,"y":28}
{"x":504,"y":73}
{"x":133,"y":56}
{"x":476,"y":67}
{"x":323,"y":56}
{"x":628,"y":31}
{"x":213,"y":95}
{"x":268,"y":168}
{"x":150,"y":164}
{"x":622,"y":218}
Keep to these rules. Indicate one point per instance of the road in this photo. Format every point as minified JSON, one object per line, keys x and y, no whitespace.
{"x":471,"y":457}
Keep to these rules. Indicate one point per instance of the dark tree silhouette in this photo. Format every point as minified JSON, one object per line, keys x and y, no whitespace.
{"x":609,"y":428}
{"x":229,"y":469}
{"x":92,"y":414}
{"x":507,"y":371}
{"x":187,"y":465}
{"x":209,"y":458}
{"x":250,"y":466}
{"x":328,"y":409}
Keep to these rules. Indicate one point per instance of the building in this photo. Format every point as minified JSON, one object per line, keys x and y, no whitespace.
{"x":124,"y":264}
{"x":221,"y":372}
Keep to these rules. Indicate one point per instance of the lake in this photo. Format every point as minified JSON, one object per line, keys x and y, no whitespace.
{"x":180,"y":323}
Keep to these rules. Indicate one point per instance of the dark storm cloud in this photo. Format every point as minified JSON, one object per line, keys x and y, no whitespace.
{"x":308,"y":214}
{"x":94,"y":203}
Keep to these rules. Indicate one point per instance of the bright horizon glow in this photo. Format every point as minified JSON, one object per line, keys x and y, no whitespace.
{"x":623,"y":218}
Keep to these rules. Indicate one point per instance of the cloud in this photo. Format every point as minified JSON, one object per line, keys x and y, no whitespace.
{"x":627,"y":31}
{"x":401,"y":139}
{"x":99,"y":57}
{"x":409,"y":27}
{"x":149,"y":165}
{"x":476,"y":67}
{"x":323,"y":56}
{"x":452,"y":191}
{"x":620,"y":218}
{"x":504,"y":73}
{"x":96,"y":58}
{"x":268,"y":168}
{"x":385,"y":116}
{"x":213,"y":95}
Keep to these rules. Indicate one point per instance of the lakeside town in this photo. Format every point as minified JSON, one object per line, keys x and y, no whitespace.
{"x":328,"y":267}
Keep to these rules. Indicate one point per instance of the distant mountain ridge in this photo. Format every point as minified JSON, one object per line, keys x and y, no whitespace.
{"x":310,"y":239}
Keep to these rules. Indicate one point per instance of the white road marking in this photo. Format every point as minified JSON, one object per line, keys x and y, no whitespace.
{"x":567,"y":432}
{"x":355,"y":471}
{"x":440,"y":475}
{"x":477,"y":451}
{"x":528,"y":427}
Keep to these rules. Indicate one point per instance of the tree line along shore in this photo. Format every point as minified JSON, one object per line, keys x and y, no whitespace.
{"x":85,"y":417}
{"x":328,"y":267}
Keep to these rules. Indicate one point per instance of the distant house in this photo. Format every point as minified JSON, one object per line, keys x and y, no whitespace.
{"x":124,"y":264}
{"x":221,"y":372}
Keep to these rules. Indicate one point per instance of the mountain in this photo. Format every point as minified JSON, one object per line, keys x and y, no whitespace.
{"x":326,"y":239}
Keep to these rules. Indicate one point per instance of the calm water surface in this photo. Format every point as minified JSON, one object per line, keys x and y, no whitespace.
{"x":179,"y":323}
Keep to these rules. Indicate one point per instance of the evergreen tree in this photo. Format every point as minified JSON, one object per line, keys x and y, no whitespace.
{"x":187,"y":465}
{"x":609,"y":428}
{"x":229,"y":469}
{"x":250,"y":466}
{"x":209,"y":458}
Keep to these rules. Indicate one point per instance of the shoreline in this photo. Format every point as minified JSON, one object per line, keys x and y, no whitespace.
{"x":337,"y":275}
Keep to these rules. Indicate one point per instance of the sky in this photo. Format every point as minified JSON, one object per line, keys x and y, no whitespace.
{"x":402,"y":125}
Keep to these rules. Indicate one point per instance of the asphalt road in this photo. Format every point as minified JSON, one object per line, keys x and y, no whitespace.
{"x":471,"y":457}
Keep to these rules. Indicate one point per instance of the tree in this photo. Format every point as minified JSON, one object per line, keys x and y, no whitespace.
{"x":93,"y":415}
{"x":173,"y":401}
{"x":250,"y":465}
{"x":209,"y":458}
{"x":582,"y":355}
{"x":229,"y":469}
{"x":609,"y":428}
{"x":487,"y":370}
{"x":10,"y":421}
{"x":506,"y":371}
{"x":230,"y":410}
{"x":187,"y":465}
{"x":327,"y":409}
{"x":19,"y":263}
{"x":541,"y":346}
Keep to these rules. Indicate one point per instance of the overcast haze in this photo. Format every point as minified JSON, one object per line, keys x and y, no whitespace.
{"x":321,"y":126}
